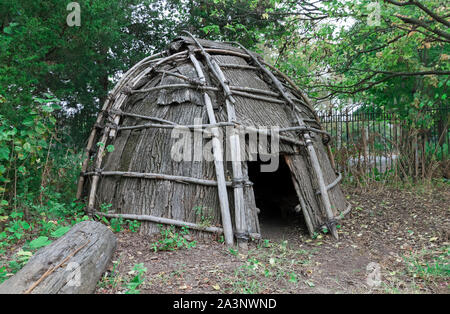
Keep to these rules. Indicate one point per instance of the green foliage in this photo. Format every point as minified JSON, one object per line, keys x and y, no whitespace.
{"x":60,"y":232}
{"x":173,"y":240}
{"x":3,"y":274}
{"x":117,"y":224}
{"x":133,"y":225}
{"x":111,"y":279}
{"x":138,"y":279}
{"x":40,"y":52}
{"x":205,"y":215}
{"x":24,"y":146}
{"x":429,"y":265}
{"x":39,"y":242}
{"x":105,"y":207}
{"x":21,"y":258}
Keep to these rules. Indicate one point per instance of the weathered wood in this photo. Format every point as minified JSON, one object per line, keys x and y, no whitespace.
{"x":162,"y":220}
{"x":223,"y":51}
{"x":235,"y":147}
{"x":72,"y":264}
{"x":55,"y":268}
{"x":218,"y":162}
{"x":308,"y":220}
{"x":301,"y":177}
{"x":169,"y":126}
{"x":158,"y":176}
{"x":303,"y":127}
{"x":213,"y":69}
{"x":308,"y":103}
{"x":100,"y":117}
{"x":220,"y":124}
{"x":248,"y":95}
{"x":237,"y":90}
{"x":139,"y":116}
{"x":321,"y":182}
{"x":238,"y":66}
{"x":98,"y":160}
{"x":267,"y":133}
{"x":332,"y":184}
{"x":252,"y":90}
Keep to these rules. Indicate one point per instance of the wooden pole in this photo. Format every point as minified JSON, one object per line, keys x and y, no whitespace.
{"x":158,"y":176}
{"x":195,"y":127}
{"x":139,"y":116}
{"x":218,"y":161}
{"x":235,"y":148}
{"x":239,"y":202}
{"x":321,"y":182}
{"x":162,"y":220}
{"x":239,"y":126}
{"x":332,"y":184}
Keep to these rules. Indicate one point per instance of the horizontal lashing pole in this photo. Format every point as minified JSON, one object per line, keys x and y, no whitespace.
{"x":237,"y":90}
{"x":332,"y":184}
{"x":158,"y":176}
{"x":163,"y":220}
{"x":171,"y":125}
{"x":238,"y":66}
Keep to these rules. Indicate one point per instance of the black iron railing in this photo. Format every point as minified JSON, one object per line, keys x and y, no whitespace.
{"x":370,"y":139}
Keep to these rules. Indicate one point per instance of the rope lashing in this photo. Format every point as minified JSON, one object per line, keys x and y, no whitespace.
{"x":329,"y":224}
{"x":99,"y":125}
{"x":241,"y":182}
{"x":242,"y":236}
{"x":126,"y":90}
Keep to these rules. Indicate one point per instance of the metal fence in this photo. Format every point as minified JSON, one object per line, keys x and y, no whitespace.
{"x":369,"y":140}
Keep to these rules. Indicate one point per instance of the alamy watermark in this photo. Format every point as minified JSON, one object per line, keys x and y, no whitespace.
{"x":374,"y":17}
{"x":199,"y":143}
{"x":373,"y":278}
{"x":74,"y":17}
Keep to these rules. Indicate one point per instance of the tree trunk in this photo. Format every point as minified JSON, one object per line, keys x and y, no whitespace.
{"x":72,"y":264}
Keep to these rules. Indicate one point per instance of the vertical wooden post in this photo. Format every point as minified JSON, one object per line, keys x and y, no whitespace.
{"x":320,"y":180}
{"x":235,"y":149}
{"x":218,"y":163}
{"x":239,"y":201}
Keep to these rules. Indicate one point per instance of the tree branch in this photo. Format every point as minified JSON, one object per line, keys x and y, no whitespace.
{"x":432,"y":14}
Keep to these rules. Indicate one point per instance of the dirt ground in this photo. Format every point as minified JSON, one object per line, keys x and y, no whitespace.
{"x":393,"y":241}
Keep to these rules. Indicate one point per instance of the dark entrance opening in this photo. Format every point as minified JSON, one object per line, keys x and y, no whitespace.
{"x":276,"y":199}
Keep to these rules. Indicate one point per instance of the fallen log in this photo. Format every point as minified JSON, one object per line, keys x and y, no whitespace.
{"x":73,"y":264}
